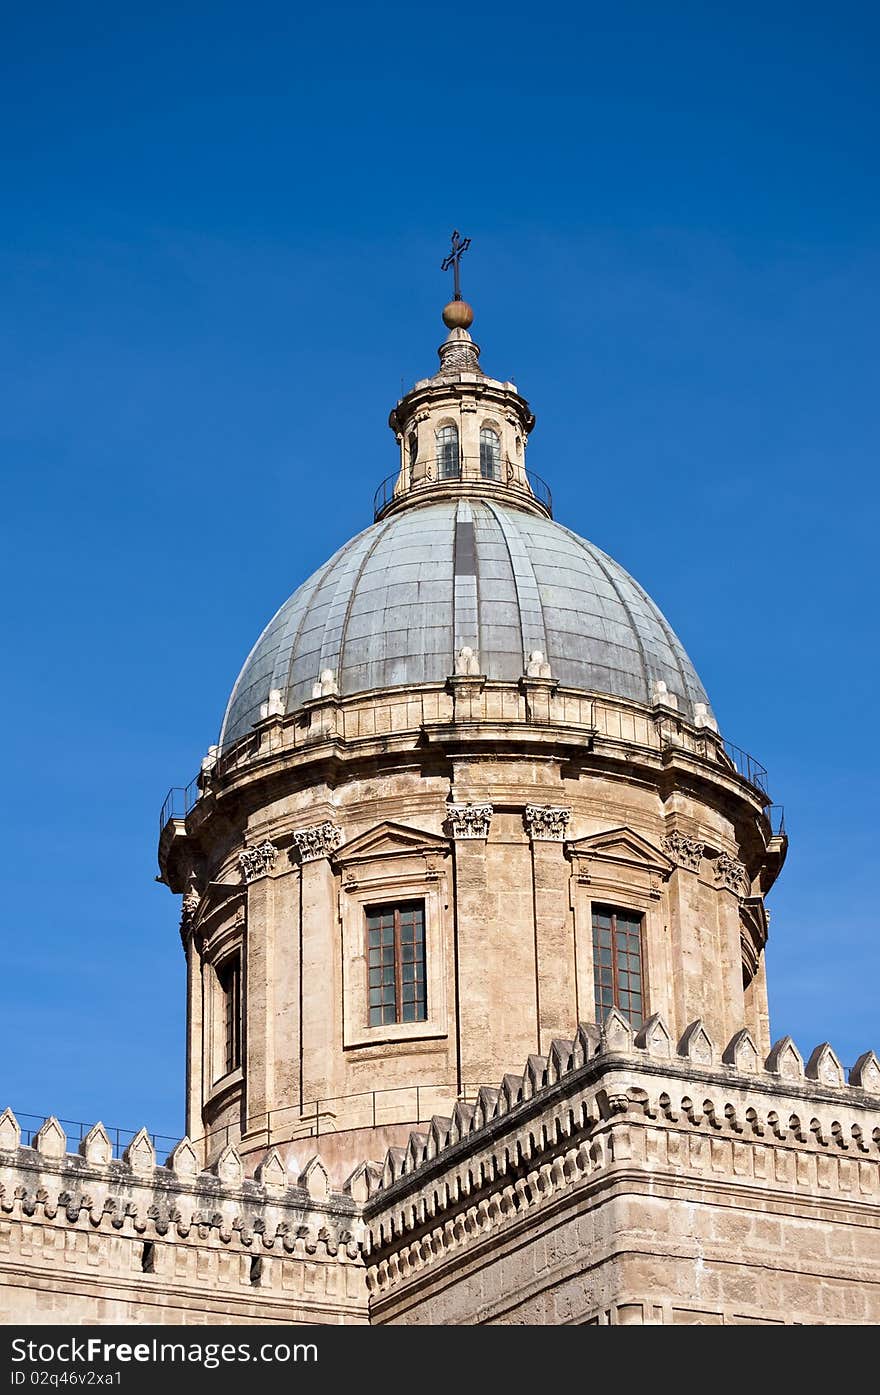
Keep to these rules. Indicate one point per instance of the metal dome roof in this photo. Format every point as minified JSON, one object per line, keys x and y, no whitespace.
{"x":394,"y":605}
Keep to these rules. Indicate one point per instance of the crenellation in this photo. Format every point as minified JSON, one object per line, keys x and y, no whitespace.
{"x":504,"y":1176}
{"x":89,"y":1213}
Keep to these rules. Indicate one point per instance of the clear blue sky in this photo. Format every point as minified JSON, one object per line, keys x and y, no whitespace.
{"x":221,"y":235}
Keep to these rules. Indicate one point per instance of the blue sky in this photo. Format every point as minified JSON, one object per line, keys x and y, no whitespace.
{"x":220,"y":238}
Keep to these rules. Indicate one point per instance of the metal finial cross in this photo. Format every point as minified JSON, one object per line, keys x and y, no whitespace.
{"x":459,"y":247}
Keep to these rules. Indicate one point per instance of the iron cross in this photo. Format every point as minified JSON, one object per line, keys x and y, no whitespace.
{"x":459,"y":247}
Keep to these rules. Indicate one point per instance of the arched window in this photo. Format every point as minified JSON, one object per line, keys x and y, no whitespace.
{"x":447,"y":453}
{"x":490,"y":454}
{"x":413,"y":447}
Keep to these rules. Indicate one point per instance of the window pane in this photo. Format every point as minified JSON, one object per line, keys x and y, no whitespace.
{"x":396,"y":946}
{"x":618,"y":974}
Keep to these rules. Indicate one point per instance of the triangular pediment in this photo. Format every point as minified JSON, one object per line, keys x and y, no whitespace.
{"x":621,"y":845}
{"x":390,"y":840}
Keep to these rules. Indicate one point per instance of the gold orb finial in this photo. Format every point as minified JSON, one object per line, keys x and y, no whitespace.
{"x":458,"y":315}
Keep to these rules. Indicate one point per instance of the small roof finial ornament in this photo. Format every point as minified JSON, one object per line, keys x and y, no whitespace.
{"x":457,"y":314}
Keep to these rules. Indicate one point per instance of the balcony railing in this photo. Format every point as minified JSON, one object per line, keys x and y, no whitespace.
{"x":398,"y":1104}
{"x":179,"y":800}
{"x":776,"y":818}
{"x":462,"y":469}
{"x":746,"y":766}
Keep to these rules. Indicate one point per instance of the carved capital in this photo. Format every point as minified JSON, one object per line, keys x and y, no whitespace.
{"x":470,"y":820}
{"x":189,"y":906}
{"x":684,"y":851}
{"x":731,"y":875}
{"x":547,"y":823}
{"x":317,"y":841}
{"x":257,"y":861}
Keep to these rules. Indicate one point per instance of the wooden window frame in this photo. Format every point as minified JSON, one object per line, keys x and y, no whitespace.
{"x":605,"y":908}
{"x":395,"y":907}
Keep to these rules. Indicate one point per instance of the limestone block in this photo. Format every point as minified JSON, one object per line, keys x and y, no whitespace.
{"x":510,"y":1093}
{"x":865,"y":1074}
{"x":586,"y":1043}
{"x":824,"y":1066}
{"x":51,"y":1141}
{"x":533,"y":1076}
{"x":741,"y":1052}
{"x":228,"y":1167}
{"x":96,"y":1146}
{"x":484,"y":1109}
{"x":438,"y":1134}
{"x":316,"y":1181}
{"x":271,"y":1171}
{"x":462,"y":1114}
{"x":559,"y":1060}
{"x":617,"y":1034}
{"x":361,"y":1184}
{"x":415,"y":1151}
{"x":785,"y":1060}
{"x":140,"y":1154}
{"x":696,"y":1044}
{"x":10,"y":1133}
{"x":655,"y":1037}
{"x":183,"y":1161}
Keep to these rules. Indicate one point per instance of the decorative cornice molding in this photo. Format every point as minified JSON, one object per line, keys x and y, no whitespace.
{"x":547,"y":823}
{"x":257,"y":861}
{"x":684,"y":851}
{"x":469,"y":820}
{"x":317,"y":841}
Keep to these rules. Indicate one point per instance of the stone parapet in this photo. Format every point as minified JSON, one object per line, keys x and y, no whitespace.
{"x":86,"y":1237}
{"x":623,"y":1179}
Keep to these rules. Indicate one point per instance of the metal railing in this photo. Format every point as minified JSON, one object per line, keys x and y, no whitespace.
{"x":179,"y":800}
{"x":776,"y":818}
{"x":364,"y":1109}
{"x":76,"y":1131}
{"x":746,"y":766}
{"x":463,"y":469}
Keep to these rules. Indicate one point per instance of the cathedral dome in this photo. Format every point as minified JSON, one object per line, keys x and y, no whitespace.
{"x":395,"y":605}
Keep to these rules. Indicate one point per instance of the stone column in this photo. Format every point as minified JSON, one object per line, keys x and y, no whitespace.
{"x":554,"y":939}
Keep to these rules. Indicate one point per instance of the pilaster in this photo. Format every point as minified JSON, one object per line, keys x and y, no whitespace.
{"x":554,"y":941}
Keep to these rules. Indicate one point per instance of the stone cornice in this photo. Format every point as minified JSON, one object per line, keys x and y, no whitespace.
{"x":333,"y":739}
